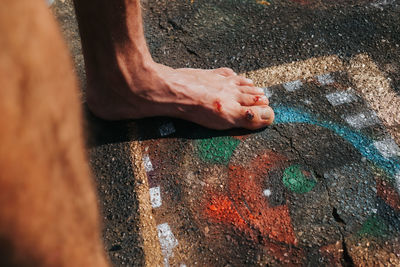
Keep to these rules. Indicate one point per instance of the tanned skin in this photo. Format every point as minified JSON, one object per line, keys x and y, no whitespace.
{"x":48,"y":208}
{"x":124,"y":82}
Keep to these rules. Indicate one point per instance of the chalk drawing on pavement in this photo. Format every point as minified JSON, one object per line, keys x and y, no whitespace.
{"x":388,"y":148}
{"x":155,"y":197}
{"x":298,"y":179}
{"x":255,"y":189}
{"x":148,"y":166}
{"x":362,"y":120}
{"x":268,"y":92}
{"x":293,"y":86}
{"x":165,"y":236}
{"x":325,"y":79}
{"x":250,"y":212}
{"x":167,"y":241}
{"x":341,"y":97}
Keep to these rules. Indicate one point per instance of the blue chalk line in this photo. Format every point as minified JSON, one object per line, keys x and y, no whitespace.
{"x":361,"y":142}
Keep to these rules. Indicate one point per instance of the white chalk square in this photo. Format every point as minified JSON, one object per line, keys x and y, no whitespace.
{"x":388,"y":148}
{"x":397,"y":178}
{"x":340,"y":98}
{"x":293,"y":86}
{"x":148,"y":166}
{"x":267,"y":192}
{"x":167,"y":129}
{"x":166,"y":238}
{"x":362,"y":120}
{"x":267,"y":92}
{"x":155,"y":197}
{"x":325,"y":79}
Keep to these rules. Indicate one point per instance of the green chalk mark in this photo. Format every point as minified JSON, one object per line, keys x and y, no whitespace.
{"x":298,"y":180}
{"x":374,"y":226}
{"x":217,"y":149}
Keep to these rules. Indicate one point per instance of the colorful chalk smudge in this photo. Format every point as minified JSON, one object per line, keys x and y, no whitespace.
{"x":298,"y":180}
{"x":269,"y":225}
{"x":217,"y":150}
{"x":220,"y":149}
{"x":362,"y":143}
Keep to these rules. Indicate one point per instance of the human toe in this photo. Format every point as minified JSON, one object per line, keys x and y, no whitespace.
{"x":256,"y":117}
{"x":240,"y":80}
{"x":253,"y":100}
{"x":252,"y":90}
{"x":226,"y":72}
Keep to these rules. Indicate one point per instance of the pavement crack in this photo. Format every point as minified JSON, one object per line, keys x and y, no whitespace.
{"x":188,"y":49}
{"x":191,"y":51}
{"x":175,"y":25}
{"x":347,"y":260}
{"x":290,"y":140}
{"x":336,"y":216}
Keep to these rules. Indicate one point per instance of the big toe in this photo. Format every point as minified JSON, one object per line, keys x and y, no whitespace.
{"x":256,"y":117}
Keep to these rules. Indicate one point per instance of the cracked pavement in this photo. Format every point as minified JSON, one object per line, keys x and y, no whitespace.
{"x":320,"y":187}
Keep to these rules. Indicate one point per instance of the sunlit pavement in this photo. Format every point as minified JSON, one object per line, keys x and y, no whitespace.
{"x":317,"y":188}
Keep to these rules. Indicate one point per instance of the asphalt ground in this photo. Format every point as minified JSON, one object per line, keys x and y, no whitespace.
{"x":317,"y":188}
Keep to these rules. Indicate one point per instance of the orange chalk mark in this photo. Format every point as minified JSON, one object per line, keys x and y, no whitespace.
{"x":272,"y":222}
{"x":221,"y":210}
{"x":263,"y":2}
{"x":245,"y":209}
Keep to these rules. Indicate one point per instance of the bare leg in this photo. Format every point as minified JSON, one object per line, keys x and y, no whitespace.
{"x":48,"y":208}
{"x":124,"y":82}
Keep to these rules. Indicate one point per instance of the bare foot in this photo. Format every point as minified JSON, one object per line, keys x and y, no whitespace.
{"x":217,"y":99}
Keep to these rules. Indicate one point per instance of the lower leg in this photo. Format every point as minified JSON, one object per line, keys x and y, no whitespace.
{"x":124,"y":82}
{"x":48,"y":207}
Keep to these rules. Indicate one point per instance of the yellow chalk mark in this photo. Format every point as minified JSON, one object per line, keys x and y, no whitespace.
{"x":372,"y":83}
{"x":295,"y":70}
{"x":262,"y":2}
{"x":151,"y":245}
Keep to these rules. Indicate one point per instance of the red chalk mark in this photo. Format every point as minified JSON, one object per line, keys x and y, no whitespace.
{"x":249,"y":115}
{"x":244,"y":208}
{"x":217,"y":105}
{"x":388,"y":194}
{"x":272,"y":222}
{"x":221,"y":209}
{"x":213,"y":207}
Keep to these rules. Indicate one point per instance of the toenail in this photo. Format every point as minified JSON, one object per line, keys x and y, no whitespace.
{"x":249,"y":80}
{"x":265,"y":114}
{"x":249,"y":115}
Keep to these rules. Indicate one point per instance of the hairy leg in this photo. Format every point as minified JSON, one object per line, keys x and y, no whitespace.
{"x":124,"y":82}
{"x":48,"y":208}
